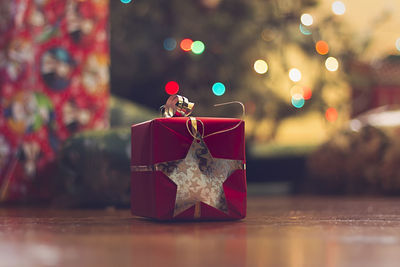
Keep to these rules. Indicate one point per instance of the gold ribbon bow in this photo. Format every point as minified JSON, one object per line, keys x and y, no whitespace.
{"x":181,"y":105}
{"x":177,"y":104}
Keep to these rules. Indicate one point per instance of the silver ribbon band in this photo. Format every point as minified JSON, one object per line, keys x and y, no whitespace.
{"x":160,"y":167}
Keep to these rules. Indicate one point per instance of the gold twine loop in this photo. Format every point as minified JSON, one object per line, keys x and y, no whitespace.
{"x":194,"y":129}
{"x":196,"y":135}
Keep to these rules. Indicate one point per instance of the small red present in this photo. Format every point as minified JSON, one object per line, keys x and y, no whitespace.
{"x":187,"y":168}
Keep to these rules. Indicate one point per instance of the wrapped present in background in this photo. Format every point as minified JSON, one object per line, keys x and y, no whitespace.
{"x":361,"y":158}
{"x":189,"y":168}
{"x":54,"y":82}
{"x":375,"y":85}
{"x":93,"y":169}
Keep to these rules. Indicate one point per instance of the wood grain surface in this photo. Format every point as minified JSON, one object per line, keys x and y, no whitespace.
{"x":292,"y":231}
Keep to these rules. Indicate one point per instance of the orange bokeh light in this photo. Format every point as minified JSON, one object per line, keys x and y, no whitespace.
{"x":322,"y":47}
{"x":331,"y":114}
{"x":186,"y":44}
{"x":307,"y":93}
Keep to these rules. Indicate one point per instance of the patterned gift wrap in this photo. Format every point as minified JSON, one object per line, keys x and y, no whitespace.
{"x":53,"y":83}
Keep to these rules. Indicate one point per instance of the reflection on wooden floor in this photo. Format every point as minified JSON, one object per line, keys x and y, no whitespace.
{"x":293,"y":232}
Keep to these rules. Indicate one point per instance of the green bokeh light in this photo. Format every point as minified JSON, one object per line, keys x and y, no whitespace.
{"x":198,"y":47}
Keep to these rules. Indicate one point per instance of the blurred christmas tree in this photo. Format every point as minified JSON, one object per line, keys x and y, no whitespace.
{"x":271,"y":55}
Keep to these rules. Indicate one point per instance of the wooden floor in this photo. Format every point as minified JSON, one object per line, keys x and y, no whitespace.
{"x":295,"y":232}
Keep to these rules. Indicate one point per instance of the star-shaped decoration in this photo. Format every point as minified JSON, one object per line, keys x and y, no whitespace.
{"x":199,"y":178}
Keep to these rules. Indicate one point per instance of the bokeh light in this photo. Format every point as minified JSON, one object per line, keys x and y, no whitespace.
{"x":186,"y":44}
{"x":260,"y":66}
{"x":126,"y":1}
{"x":198,"y":47}
{"x":172,"y":87}
{"x":295,"y":75}
{"x":268,"y":35}
{"x":338,"y":8}
{"x":301,"y":90}
{"x":307,"y":93}
{"x":306,"y":19}
{"x":298,"y":101}
{"x":331,"y":114}
{"x":355,"y":125}
{"x":218,"y":88}
{"x":398,"y":43}
{"x":304,"y":30}
{"x":296,"y":89}
{"x":322,"y":47}
{"x":250,"y":107}
{"x":331,"y":64}
{"x":169,"y":44}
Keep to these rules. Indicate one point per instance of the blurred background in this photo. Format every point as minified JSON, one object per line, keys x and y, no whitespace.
{"x":320,"y":80}
{"x":303,"y":69}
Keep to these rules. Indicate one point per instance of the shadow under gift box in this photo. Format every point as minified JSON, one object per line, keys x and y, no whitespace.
{"x":153,"y":193}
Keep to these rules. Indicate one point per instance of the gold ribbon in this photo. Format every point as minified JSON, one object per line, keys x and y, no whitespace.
{"x":196,"y":135}
{"x":161,"y":167}
{"x":197,"y":210}
{"x":177,"y":104}
{"x":181,"y":105}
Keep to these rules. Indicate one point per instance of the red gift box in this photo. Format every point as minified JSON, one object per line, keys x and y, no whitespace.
{"x":178,"y":176}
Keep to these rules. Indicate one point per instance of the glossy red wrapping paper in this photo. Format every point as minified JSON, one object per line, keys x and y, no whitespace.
{"x":153,"y":194}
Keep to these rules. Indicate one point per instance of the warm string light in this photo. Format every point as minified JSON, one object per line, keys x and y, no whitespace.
{"x":398,"y":43}
{"x":306,"y":19}
{"x":331,"y":64}
{"x":307,"y":93}
{"x":186,"y":44}
{"x":294,"y":75}
{"x":338,"y":8}
{"x":260,"y":66}
{"x":197,"y":47}
{"x":296,"y":89}
{"x":322,"y":47}
{"x":299,"y":94}
{"x":331,"y":114}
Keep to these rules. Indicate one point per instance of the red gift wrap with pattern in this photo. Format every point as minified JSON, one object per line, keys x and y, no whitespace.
{"x":54,"y":81}
{"x":186,"y":168}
